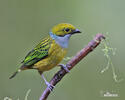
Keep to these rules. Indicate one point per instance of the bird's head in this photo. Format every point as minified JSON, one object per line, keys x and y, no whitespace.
{"x":64,"y":29}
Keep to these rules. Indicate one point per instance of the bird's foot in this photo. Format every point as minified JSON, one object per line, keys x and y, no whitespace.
{"x":50,"y":86}
{"x":64,"y":67}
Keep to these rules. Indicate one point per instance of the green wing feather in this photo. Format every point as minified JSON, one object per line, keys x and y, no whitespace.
{"x":38,"y":53}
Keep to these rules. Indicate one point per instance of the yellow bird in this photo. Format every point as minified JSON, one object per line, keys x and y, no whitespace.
{"x":50,"y":51}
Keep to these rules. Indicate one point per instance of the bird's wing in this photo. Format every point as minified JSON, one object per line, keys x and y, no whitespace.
{"x":38,"y":53}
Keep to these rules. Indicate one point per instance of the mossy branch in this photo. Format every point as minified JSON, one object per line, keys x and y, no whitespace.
{"x":79,"y":56}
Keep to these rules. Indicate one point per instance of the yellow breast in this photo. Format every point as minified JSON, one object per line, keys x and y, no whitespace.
{"x":55,"y":56}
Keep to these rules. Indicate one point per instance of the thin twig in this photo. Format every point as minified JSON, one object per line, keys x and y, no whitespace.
{"x":79,"y":56}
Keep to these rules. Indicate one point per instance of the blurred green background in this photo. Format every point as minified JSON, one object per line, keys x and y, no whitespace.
{"x":23,"y":23}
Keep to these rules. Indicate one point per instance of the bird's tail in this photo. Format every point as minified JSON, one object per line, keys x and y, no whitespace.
{"x":15,"y":73}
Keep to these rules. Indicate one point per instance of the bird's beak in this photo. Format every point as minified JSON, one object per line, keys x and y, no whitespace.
{"x":76,"y":31}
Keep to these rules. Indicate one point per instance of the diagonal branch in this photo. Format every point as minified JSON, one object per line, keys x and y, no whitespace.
{"x":79,"y":56}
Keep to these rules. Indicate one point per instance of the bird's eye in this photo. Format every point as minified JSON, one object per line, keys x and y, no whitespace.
{"x":67,"y":29}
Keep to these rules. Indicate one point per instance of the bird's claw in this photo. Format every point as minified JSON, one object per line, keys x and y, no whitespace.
{"x":50,"y":86}
{"x":64,"y":67}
